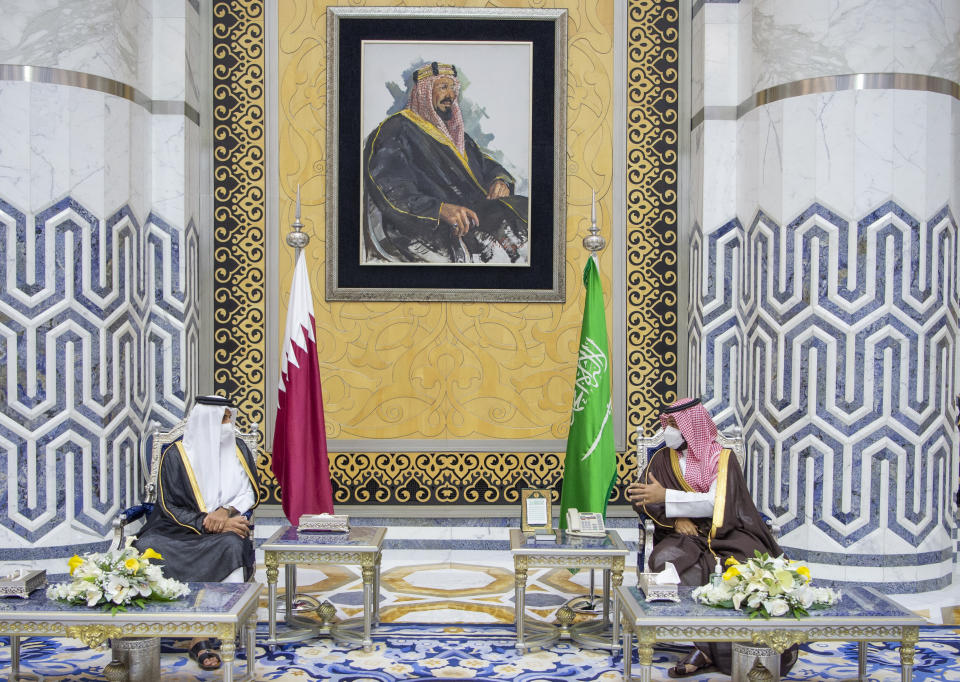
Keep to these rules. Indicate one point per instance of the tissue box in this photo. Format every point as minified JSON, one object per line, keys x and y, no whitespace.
{"x":324,"y":523}
{"x":22,"y":583}
{"x":654,"y":592}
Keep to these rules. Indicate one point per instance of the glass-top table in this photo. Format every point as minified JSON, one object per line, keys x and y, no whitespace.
{"x":606,"y":553}
{"x":360,"y":546}
{"x":863,"y":614}
{"x":210,"y":610}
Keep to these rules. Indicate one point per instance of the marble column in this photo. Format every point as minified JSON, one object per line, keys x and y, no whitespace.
{"x":98,"y":121}
{"x":824,"y":262}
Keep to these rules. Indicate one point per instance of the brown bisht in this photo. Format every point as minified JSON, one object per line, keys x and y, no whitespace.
{"x":736,"y":529}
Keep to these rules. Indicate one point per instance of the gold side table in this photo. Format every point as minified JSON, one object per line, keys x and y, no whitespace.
{"x":361,"y":546}
{"x":210,"y":610}
{"x":862,"y":615}
{"x":607,"y":553}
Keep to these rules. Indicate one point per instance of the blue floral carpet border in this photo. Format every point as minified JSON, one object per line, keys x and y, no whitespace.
{"x":477,"y":652}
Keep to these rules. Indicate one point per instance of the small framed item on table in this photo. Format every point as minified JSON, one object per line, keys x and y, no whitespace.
{"x":535,"y":514}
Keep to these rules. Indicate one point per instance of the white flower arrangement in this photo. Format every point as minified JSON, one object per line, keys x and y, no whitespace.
{"x":766,"y":587}
{"x":116,"y":579}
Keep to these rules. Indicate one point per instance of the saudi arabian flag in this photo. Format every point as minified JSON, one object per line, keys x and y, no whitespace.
{"x":590,"y":467}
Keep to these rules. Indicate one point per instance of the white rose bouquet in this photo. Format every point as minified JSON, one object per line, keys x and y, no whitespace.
{"x":766,"y":587}
{"x":114,"y":580}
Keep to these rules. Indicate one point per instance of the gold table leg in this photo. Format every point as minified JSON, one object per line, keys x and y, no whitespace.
{"x":520,"y":589}
{"x":368,"y":581}
{"x":252,"y":644}
{"x":273,"y":571}
{"x":227,"y":655}
{"x":616,"y":580}
{"x":907,"y":643}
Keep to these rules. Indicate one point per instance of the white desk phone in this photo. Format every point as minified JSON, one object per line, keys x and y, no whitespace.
{"x":589,"y":524}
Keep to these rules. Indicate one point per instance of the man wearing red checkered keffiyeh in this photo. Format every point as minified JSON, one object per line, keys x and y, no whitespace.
{"x":700,"y":435}
{"x":695,"y":493}
{"x":442,"y":108}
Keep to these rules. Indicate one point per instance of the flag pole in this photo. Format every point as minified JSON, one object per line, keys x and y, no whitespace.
{"x":294,"y":601}
{"x":297,"y":238}
{"x":593,"y":243}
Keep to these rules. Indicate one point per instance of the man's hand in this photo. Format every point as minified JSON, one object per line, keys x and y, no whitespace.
{"x":213,"y":522}
{"x":498,"y":189}
{"x":647,"y":493}
{"x":238,"y":525}
{"x":460,"y":218}
{"x":685,"y":527}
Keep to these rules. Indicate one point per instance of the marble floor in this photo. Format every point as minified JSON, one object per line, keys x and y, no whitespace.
{"x":460,"y":570}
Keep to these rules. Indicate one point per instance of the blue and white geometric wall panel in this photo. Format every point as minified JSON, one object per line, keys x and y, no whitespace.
{"x":714,"y":329}
{"x":172,"y":330}
{"x":80,"y":304}
{"x":844,"y":365}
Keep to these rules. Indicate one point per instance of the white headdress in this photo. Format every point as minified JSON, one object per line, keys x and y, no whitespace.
{"x":211,"y":448}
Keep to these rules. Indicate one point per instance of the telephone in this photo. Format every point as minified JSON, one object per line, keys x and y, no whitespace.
{"x":585,"y":523}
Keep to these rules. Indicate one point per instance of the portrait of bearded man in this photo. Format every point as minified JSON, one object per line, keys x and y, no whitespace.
{"x":432,"y":194}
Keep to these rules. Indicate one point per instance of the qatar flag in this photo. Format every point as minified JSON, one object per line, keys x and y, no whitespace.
{"x":300,"y":438}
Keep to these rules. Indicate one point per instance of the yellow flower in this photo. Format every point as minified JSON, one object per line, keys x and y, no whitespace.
{"x":150,"y":553}
{"x":131,"y":564}
{"x":804,"y":571}
{"x":731,"y":572}
{"x":732,"y":561}
{"x":74,"y":563}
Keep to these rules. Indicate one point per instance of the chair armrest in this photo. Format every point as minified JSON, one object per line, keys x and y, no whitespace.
{"x":648,"y":542}
{"x":645,"y":544}
{"x":131,"y":514}
{"x":774,"y":527}
{"x":126,"y":517}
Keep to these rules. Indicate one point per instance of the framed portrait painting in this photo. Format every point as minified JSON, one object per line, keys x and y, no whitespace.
{"x":446,"y":154}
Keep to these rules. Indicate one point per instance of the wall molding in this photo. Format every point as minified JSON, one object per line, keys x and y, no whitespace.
{"x":25,"y":73}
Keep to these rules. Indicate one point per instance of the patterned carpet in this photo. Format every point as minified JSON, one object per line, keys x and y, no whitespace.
{"x":478,"y":652}
{"x":448,"y":614}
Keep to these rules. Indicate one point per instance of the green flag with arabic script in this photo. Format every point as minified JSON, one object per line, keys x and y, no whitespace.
{"x":590,"y":467}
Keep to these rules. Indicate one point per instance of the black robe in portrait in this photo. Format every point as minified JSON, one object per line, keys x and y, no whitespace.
{"x":175,"y":528}
{"x":736,"y":529}
{"x":410,"y":168}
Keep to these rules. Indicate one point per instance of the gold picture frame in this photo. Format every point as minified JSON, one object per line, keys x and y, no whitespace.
{"x":536,"y":510}
{"x":363,"y":259}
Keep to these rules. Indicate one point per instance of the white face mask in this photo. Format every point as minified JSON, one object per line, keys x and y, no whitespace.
{"x":672,"y":437}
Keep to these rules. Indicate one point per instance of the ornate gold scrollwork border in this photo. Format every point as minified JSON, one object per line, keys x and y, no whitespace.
{"x":95,"y":634}
{"x":309,"y":557}
{"x":239,"y":204}
{"x":599,"y":561}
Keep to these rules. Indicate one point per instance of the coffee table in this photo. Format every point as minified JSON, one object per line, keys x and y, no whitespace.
{"x":569,"y":551}
{"x":360,"y":546}
{"x":863,"y":615}
{"x":210,"y":610}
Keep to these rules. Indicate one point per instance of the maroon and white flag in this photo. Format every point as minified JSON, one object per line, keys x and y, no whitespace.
{"x":299,"y":438}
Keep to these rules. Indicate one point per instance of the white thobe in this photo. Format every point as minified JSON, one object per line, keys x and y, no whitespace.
{"x":681,"y":504}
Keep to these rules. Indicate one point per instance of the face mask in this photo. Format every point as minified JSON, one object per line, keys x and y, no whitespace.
{"x":672,"y":437}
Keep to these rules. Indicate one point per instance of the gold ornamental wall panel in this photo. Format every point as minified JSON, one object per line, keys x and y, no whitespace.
{"x":430,"y":371}
{"x":446,"y":371}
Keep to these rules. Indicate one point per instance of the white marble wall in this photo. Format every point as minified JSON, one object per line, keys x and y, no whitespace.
{"x":99,"y":213}
{"x":109,"y":38}
{"x":796,"y":40}
{"x":846,"y":398}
